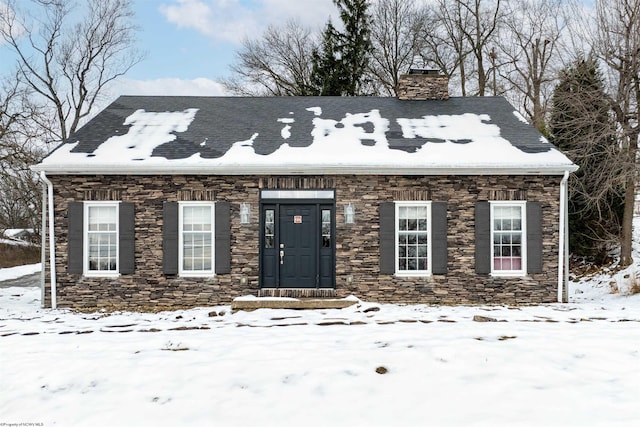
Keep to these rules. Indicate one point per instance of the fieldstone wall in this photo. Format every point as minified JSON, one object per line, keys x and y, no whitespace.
{"x":357,"y":253}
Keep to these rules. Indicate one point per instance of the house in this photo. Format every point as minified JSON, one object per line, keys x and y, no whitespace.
{"x":20,"y":234}
{"x":163,"y":202}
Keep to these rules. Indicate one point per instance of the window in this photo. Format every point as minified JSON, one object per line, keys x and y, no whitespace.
{"x":326,"y":228}
{"x":413,"y":235}
{"x":101,"y":238}
{"x":269,"y":228}
{"x":508,"y":237}
{"x":196,"y":228}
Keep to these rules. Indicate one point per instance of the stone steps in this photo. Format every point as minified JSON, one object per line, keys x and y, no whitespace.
{"x":298,"y":292}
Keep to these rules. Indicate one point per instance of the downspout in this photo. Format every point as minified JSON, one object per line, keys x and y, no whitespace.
{"x":52,"y":245}
{"x":563,"y":242}
{"x":43,"y":243}
{"x":566,"y":244}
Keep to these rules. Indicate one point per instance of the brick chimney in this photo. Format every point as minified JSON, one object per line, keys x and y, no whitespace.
{"x":422,"y":84}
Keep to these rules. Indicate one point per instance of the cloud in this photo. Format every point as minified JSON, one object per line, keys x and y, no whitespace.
{"x":312,"y":13}
{"x":192,"y":14}
{"x":233,"y":20}
{"x":9,"y":15}
{"x":221,"y":20}
{"x":168,"y":87}
{"x":157,"y":87}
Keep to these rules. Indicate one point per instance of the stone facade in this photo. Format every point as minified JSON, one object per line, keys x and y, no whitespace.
{"x":357,"y":245}
{"x":423,"y":86}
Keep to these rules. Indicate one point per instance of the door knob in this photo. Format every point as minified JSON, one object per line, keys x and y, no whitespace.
{"x":281,"y":257}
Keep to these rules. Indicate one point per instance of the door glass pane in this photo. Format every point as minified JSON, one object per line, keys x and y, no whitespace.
{"x":268,"y":242}
{"x":269,"y":228}
{"x":326,"y":228}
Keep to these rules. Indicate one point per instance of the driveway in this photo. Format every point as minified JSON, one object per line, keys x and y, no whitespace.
{"x":24,"y":281}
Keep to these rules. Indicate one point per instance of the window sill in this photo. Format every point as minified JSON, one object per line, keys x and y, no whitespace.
{"x":509,"y":274}
{"x":406,"y":274}
{"x":195,"y":274}
{"x":101,"y":275}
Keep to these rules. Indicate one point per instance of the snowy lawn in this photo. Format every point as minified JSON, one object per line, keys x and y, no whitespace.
{"x":573,"y":364}
{"x":19,"y":271}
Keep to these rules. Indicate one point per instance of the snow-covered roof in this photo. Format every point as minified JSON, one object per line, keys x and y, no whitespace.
{"x":306,"y":135}
{"x":16,"y":232}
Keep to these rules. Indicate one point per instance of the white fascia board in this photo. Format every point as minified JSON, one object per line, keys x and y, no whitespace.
{"x":303,"y":170}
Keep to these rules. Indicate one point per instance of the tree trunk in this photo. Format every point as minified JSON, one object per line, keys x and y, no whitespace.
{"x":626,"y":235}
{"x":463,"y":77}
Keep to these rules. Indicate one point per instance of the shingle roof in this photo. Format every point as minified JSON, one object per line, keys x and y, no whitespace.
{"x":219,"y":135}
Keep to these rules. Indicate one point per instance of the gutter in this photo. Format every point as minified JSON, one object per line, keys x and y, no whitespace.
{"x":52,"y":246}
{"x":563,"y":243}
{"x":303,"y":169}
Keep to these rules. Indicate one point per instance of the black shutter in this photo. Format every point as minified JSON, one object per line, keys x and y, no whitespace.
{"x":483,"y":238}
{"x":75,"y":255}
{"x":439,"y":255}
{"x":126,"y":257}
{"x":223,"y":238}
{"x":387,"y":238}
{"x":534,"y":237}
{"x":170,"y":238}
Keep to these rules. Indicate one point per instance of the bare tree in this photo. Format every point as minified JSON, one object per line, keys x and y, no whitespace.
{"x":20,"y":199}
{"x":68,"y":64}
{"x":618,"y":46}
{"x":64,"y":61}
{"x":277,"y":64}
{"x":13,"y":117}
{"x":396,"y":30}
{"x":479,"y":32}
{"x":19,"y":148}
{"x":529,"y":48}
{"x":443,"y":42}
{"x":460,"y":41}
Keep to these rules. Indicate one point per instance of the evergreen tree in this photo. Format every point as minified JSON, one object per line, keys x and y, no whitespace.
{"x":327,"y":76}
{"x":355,"y":43}
{"x":582,"y":127}
{"x":339,"y":69}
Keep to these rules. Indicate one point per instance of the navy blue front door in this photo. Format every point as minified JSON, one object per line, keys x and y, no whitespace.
{"x":297,"y":245}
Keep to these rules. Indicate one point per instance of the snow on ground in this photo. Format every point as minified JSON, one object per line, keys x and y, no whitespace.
{"x":14,"y":242}
{"x":19,"y":271}
{"x":572,"y":364}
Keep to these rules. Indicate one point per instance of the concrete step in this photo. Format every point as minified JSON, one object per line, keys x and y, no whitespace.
{"x":290,"y":303}
{"x":298,"y":292}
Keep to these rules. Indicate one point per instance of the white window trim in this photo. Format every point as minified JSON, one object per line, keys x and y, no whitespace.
{"x":196,"y":273}
{"x":413,"y":273}
{"x":523,"y":208}
{"x":85,"y":240}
